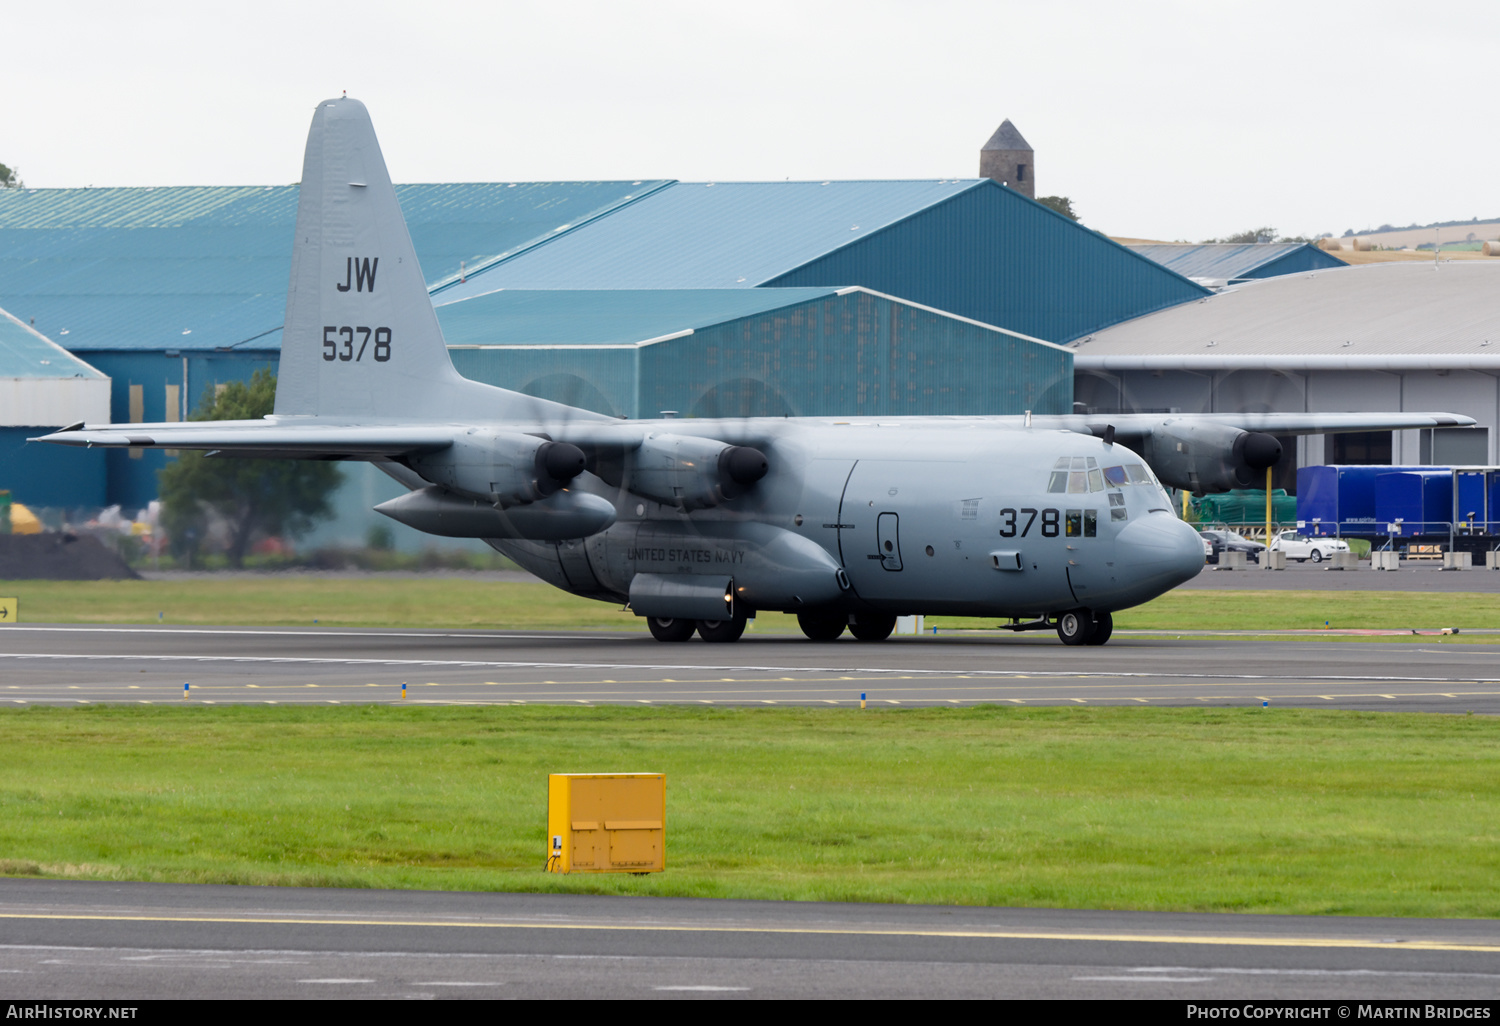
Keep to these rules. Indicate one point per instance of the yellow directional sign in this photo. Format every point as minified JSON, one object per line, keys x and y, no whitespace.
{"x":8,"y":610}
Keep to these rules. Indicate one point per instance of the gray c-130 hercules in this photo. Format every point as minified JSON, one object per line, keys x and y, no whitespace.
{"x":1052,"y":522}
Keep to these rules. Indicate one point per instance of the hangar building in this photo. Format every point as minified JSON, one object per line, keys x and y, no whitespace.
{"x":1217,"y":264}
{"x":172,"y":291}
{"x":1404,"y":336}
{"x":44,"y":386}
{"x":752,"y":353}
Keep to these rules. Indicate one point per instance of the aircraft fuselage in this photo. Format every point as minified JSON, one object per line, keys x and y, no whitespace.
{"x":957,"y":519}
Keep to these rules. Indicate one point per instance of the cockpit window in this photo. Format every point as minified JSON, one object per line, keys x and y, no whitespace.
{"x":1137,"y":473}
{"x":1059,"y":482}
{"x":1116,"y":477}
{"x":1096,"y":480}
{"x":1078,"y":481}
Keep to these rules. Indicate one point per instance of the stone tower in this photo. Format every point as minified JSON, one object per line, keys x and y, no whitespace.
{"x":1009,"y":160}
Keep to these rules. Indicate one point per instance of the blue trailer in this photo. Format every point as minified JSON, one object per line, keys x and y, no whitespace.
{"x":1412,"y":503}
{"x":1472,"y":510}
{"x":1337,"y":500}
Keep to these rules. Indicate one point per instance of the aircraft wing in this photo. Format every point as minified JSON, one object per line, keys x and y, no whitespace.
{"x":1270,"y":423}
{"x":265,"y":438}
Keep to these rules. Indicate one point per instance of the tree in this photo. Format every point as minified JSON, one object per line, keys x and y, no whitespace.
{"x":254,"y":498}
{"x":1062,"y":204}
{"x":1260,"y":235}
{"x":10,"y":178}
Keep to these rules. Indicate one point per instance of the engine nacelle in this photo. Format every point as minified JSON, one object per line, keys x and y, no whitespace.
{"x":502,"y":468}
{"x":692,"y":473}
{"x":1204,"y":458}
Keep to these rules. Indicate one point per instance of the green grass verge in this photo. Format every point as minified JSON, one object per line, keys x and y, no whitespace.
{"x":298,"y":600}
{"x":1191,"y":809}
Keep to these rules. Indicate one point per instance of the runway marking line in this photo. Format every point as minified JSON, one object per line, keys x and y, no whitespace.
{"x":1117,"y":938}
{"x":911,"y":672}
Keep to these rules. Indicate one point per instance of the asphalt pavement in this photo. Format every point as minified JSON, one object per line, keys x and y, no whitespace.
{"x":125,"y":941}
{"x":73,"y":664}
{"x":1414,"y":575}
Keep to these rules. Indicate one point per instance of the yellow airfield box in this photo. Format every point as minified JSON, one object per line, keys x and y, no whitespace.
{"x":9,"y":608}
{"x":606,"y":823}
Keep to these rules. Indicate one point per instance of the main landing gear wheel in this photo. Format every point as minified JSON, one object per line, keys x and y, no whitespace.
{"x":872,"y":628}
{"x":721,"y":630}
{"x":1104,"y":626}
{"x":822,"y":626}
{"x":1075,"y":626}
{"x":667,"y":628}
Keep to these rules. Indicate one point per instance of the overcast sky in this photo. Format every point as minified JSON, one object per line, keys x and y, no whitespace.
{"x":1159,"y":119}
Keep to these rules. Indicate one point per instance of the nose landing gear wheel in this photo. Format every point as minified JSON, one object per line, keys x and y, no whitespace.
{"x":667,"y":628}
{"x":721,"y":630}
{"x":1104,"y":626}
{"x":824,"y":627}
{"x":872,"y":628}
{"x":1075,"y":626}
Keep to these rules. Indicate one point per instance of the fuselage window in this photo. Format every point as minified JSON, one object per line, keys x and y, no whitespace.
{"x":1117,"y":498}
{"x":1118,"y":513}
{"x":1074,"y":523}
{"x":1090,"y":523}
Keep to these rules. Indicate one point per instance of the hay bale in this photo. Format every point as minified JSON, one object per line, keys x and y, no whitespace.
{"x":1363,"y":245}
{"x":1492,"y":248}
{"x":1330,"y":244}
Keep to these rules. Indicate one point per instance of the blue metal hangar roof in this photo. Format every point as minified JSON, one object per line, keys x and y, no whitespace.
{"x":971,"y":247}
{"x":1226,"y":262}
{"x":201,"y":268}
{"x":26,"y":353}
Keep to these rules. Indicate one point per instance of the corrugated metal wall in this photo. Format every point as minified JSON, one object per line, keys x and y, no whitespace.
{"x":132,"y":478}
{"x":50,"y":475}
{"x":599,"y":378}
{"x":1304,"y":258}
{"x":851,"y":355}
{"x":999,"y":258}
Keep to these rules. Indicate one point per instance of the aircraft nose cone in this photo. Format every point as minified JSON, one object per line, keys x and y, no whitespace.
{"x":1161,"y":547}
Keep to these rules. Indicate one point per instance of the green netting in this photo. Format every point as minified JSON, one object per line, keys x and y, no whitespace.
{"x":1246,"y":506}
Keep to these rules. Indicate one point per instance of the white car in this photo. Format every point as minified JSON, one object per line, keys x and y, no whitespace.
{"x":1303,"y":547}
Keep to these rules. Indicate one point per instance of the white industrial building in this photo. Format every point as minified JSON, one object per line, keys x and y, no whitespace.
{"x":1393,"y":337}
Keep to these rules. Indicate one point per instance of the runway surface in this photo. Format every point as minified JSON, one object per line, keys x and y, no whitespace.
{"x":71,"y":664}
{"x":1414,"y":575}
{"x":142,"y":941}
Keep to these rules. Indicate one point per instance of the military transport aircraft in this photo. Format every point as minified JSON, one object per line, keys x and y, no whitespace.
{"x":1050,"y":522}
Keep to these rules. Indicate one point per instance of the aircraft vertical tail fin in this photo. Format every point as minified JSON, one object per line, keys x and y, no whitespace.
{"x":361,"y":338}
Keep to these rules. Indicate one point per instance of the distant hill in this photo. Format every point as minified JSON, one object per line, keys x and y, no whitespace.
{"x":1450,"y":231}
{"x":1473,"y":221}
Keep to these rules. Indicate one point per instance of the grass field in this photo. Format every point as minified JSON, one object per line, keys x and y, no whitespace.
{"x":373,"y":601}
{"x":1222,"y":810}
